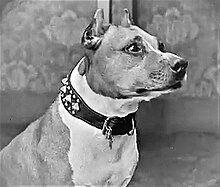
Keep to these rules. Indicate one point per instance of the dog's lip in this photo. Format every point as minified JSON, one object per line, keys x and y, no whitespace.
{"x":171,"y":87}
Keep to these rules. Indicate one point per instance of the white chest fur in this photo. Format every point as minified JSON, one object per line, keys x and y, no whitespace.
{"x":92,"y":161}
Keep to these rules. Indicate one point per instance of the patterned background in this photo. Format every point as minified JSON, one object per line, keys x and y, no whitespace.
{"x":35,"y":39}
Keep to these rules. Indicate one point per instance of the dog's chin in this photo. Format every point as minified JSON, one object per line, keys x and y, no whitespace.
{"x":170,"y":88}
{"x":154,"y":92}
{"x":149,"y":93}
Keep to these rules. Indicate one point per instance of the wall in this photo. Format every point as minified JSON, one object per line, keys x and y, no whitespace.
{"x":35,"y":40}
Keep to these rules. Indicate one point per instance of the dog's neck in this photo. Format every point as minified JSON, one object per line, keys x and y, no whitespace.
{"x":104,"y":105}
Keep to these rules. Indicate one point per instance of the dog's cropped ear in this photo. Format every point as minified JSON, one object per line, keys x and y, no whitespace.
{"x":126,"y":20}
{"x":83,"y":65}
{"x":92,"y":36}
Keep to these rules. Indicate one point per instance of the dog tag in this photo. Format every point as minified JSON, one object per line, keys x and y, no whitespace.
{"x":109,"y":137}
{"x":107,"y":131}
{"x":110,"y":143}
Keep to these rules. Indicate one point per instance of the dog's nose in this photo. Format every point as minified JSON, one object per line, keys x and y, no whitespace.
{"x":179,"y":66}
{"x":179,"y":69}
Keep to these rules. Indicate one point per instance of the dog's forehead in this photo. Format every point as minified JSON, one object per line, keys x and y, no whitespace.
{"x":119,"y":35}
{"x":148,"y":37}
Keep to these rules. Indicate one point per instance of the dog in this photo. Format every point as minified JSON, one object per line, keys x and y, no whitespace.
{"x":88,"y":135}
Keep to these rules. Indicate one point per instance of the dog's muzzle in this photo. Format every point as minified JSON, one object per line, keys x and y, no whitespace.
{"x":179,"y":72}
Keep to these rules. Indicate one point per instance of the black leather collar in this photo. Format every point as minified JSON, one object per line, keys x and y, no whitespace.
{"x":110,"y":126}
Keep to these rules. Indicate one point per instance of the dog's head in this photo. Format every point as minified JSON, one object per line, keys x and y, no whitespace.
{"x":124,"y":61}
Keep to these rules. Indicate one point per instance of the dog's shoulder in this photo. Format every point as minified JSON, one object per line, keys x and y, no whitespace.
{"x":41,"y":148}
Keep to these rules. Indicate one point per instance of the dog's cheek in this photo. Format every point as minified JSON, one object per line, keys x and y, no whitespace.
{"x":126,"y":82}
{"x":99,"y":85}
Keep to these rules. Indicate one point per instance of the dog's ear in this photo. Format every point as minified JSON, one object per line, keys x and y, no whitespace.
{"x":83,"y":65}
{"x":92,"y":36}
{"x":126,"y":20}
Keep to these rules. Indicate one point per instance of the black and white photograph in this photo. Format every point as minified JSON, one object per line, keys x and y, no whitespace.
{"x":109,"y":93}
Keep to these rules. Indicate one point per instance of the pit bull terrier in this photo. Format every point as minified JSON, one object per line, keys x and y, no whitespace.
{"x":88,"y":135}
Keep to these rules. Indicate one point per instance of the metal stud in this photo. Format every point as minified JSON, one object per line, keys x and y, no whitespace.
{"x":67,"y":98}
{"x":70,"y":100}
{"x":65,"y":81}
{"x":63,"y":89}
{"x":75,"y":106}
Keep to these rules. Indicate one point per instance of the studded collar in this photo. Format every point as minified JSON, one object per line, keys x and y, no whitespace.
{"x":110,"y":126}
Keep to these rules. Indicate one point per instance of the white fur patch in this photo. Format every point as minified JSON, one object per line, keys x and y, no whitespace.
{"x":92,"y":161}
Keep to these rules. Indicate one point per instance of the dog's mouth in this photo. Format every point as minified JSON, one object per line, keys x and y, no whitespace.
{"x":174,"y":86}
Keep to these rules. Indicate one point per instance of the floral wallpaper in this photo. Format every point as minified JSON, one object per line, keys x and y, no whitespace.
{"x":192,"y":29}
{"x":35,"y":38}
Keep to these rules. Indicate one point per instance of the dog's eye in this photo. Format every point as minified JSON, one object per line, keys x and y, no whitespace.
{"x":134,"y":48}
{"x":161,"y":46}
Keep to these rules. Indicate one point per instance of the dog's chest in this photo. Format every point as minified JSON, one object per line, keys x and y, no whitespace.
{"x":92,"y":160}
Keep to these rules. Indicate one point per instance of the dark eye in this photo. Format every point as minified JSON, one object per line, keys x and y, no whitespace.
{"x":134,"y":49}
{"x":161,"y":46}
